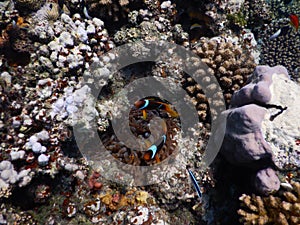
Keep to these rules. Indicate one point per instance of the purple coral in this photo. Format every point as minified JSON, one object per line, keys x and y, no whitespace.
{"x":266,"y":181}
{"x":244,"y":142}
{"x":259,"y":90}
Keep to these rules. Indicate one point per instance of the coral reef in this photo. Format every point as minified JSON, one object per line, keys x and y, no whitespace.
{"x":14,"y":41}
{"x":283,"y":50}
{"x":257,"y":13}
{"x":267,"y":92}
{"x":283,"y":208}
{"x":48,"y":54}
{"x":72,"y":43}
{"x":228,"y":62}
{"x":28,"y":6}
{"x":261,"y":107}
{"x":152,"y":25}
{"x":113,"y":12}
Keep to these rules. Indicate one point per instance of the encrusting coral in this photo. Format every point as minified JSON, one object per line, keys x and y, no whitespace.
{"x":281,"y":209}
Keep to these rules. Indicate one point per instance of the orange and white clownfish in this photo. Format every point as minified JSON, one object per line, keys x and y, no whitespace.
{"x":153,"y":149}
{"x":153,"y":103}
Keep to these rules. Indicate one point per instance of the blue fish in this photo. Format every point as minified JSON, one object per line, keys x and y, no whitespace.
{"x":195,"y":183}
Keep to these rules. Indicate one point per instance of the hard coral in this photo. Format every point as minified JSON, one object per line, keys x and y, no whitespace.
{"x":152,"y":23}
{"x":113,"y":12}
{"x":15,"y":44}
{"x":28,"y":6}
{"x":257,"y":13}
{"x":282,"y":209}
{"x":267,"y":92}
{"x":228,"y":62}
{"x":283,"y":50}
{"x":259,"y":129}
{"x":115,"y":200}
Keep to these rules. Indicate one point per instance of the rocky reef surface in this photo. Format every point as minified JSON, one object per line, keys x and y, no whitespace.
{"x":55,"y":54}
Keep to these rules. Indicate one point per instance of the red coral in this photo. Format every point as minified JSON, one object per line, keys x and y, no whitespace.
{"x":92,"y":181}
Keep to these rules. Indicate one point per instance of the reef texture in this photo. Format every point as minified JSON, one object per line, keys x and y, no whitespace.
{"x":228,"y":61}
{"x":283,"y":50}
{"x":48,"y":47}
{"x":262,"y":124}
{"x":280,"y":209}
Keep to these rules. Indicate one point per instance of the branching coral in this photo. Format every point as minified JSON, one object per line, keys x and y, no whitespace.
{"x":283,"y":209}
{"x":228,"y":62}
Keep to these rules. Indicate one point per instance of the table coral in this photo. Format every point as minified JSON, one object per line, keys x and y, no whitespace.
{"x":281,"y":209}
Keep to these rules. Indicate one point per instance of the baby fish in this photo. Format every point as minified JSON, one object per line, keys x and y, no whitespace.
{"x":195,"y":183}
{"x":153,"y":149}
{"x":294,"y":20}
{"x":153,"y":103}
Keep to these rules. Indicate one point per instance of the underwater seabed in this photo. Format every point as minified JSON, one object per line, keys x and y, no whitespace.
{"x":138,"y":112}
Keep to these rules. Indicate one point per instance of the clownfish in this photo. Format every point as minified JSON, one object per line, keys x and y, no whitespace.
{"x":294,"y":20}
{"x":153,"y":103}
{"x":195,"y":183}
{"x":153,"y":149}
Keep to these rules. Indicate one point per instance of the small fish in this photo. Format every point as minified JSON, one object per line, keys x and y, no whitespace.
{"x":196,"y":25}
{"x":195,"y":183}
{"x":294,"y":20}
{"x":86,"y":14}
{"x":152,"y":103}
{"x":85,"y":11}
{"x":153,"y":149}
{"x":275,"y":35}
{"x":281,"y":32}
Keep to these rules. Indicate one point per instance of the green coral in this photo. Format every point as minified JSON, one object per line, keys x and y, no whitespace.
{"x":237,"y":19}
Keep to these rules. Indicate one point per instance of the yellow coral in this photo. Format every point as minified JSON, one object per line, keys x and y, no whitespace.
{"x":142,"y":197}
{"x":283,"y":209}
{"x":132,"y":197}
